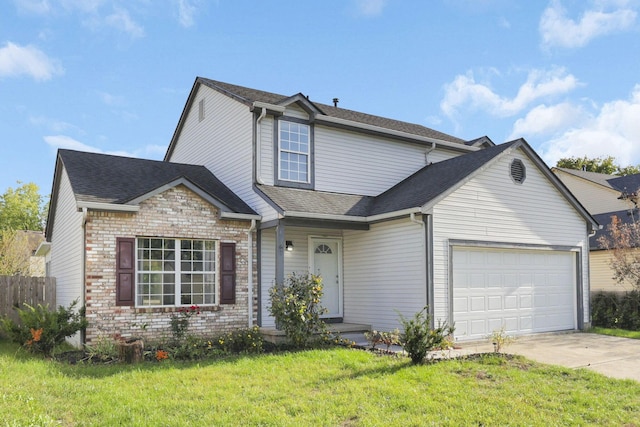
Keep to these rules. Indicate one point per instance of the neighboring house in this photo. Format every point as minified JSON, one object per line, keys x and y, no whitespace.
{"x":394,"y":216}
{"x":604,"y":196}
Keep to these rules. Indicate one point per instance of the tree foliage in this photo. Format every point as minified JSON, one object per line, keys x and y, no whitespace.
{"x":606,"y":165}
{"x":624,"y":243}
{"x":22,"y":208}
{"x":15,"y":253}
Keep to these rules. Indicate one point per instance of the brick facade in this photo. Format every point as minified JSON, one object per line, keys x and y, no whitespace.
{"x":174,"y":213}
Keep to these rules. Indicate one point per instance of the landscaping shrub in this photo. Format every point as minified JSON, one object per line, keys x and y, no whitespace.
{"x":418,"y":338}
{"x":295,"y":305}
{"x":40,"y":329}
{"x":242,"y":341}
{"x":617,"y":310}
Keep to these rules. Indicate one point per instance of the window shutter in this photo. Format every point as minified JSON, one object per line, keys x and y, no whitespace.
{"x":227,"y":273}
{"x":125,"y":270}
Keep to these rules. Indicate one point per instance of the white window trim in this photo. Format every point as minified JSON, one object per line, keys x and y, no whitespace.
{"x":177,"y":273}
{"x":307,"y":153}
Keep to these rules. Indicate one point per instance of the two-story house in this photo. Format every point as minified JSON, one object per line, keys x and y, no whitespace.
{"x":393,"y":216}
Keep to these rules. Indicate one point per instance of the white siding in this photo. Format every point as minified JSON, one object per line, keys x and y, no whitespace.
{"x":222,"y":142}
{"x":294,"y":111}
{"x":384,"y":273}
{"x":353,"y":163}
{"x":296,"y":261}
{"x":492,"y":208}
{"x":67,"y":248}
{"x":595,"y":198}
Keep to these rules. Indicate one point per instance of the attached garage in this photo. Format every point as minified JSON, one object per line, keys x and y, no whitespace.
{"x":526,"y":291}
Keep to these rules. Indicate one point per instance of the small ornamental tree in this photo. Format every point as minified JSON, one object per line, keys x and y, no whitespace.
{"x":296,"y":307}
{"x":624,"y":243}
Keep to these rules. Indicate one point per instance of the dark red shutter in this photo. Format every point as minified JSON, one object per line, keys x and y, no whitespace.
{"x":227,"y":273}
{"x":125,"y":270}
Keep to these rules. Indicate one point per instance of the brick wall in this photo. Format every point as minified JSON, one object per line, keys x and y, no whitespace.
{"x":174,"y":213}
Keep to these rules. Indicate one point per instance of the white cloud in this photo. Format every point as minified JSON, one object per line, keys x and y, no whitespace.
{"x":33,"y":6}
{"x":465,"y":92}
{"x":370,"y":7}
{"x":18,"y":60}
{"x":111,"y":100}
{"x":121,"y":20}
{"x":186,"y":12}
{"x":548,"y":120}
{"x":68,"y":143}
{"x":557,"y":29}
{"x":613,"y":131}
{"x":53,"y":124}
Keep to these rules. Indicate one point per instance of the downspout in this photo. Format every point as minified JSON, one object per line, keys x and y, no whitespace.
{"x":259,"y":147}
{"x":428,"y":262}
{"x":250,"y":268}
{"x":85,"y":214}
{"x":412,"y":217}
{"x":426,"y":153}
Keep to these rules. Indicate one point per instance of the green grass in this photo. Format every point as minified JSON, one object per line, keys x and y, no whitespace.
{"x":336,"y":387}
{"x":616,"y":332}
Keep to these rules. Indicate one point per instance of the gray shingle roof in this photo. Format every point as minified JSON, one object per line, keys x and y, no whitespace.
{"x":317,"y":202}
{"x":249,"y":96}
{"x":415,"y":191}
{"x":106,"y":178}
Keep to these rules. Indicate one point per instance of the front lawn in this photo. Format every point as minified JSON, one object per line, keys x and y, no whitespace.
{"x":336,"y":387}
{"x":616,"y":332}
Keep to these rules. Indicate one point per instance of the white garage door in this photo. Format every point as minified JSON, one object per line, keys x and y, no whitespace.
{"x":526,"y":291}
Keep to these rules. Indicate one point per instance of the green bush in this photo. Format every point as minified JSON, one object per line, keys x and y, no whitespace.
{"x":295,"y":305}
{"x":40,"y":329}
{"x":242,"y":341}
{"x":418,"y":338}
{"x":617,"y":310}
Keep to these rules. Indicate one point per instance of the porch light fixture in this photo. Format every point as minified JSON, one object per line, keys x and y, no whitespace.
{"x":289,"y":245}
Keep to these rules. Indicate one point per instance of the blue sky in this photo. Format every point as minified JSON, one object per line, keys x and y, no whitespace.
{"x":113,"y":76}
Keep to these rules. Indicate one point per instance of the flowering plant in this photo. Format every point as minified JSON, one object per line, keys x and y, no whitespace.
{"x":180,"y":321}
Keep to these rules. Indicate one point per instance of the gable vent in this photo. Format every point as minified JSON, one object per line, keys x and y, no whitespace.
{"x":518,"y":171}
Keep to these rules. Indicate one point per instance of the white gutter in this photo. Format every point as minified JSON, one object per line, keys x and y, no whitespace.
{"x":250,"y":269}
{"x":234,"y":215}
{"x":372,"y":218}
{"x":259,"y":146}
{"x":412,"y":217}
{"x":107,"y":207}
{"x":392,"y":132}
{"x":271,"y":107}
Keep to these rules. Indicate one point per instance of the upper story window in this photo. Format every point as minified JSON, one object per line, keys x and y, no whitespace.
{"x":294,"y":152}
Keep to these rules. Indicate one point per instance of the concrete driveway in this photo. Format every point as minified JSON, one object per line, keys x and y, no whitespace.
{"x":611,"y":356}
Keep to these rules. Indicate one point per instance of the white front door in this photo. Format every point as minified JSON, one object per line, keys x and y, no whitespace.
{"x":325,"y":261}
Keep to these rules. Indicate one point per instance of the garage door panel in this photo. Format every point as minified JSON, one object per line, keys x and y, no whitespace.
{"x":510,"y":302}
{"x":525,"y":291}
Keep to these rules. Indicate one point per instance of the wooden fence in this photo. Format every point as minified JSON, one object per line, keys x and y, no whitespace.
{"x":17,"y":290}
